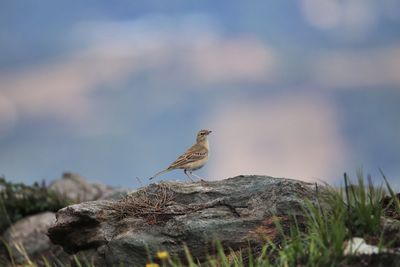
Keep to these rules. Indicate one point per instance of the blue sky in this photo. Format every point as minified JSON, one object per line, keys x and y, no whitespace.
{"x":116,"y":90}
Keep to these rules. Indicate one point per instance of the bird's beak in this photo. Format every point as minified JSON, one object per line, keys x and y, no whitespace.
{"x":209,"y":132}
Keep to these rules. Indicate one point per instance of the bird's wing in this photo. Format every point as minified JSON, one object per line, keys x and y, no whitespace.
{"x":195,"y":153}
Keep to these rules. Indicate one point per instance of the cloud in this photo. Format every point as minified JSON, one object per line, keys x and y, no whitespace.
{"x":294,"y":136}
{"x":321,"y":14}
{"x":347,"y":19}
{"x":8,"y":115}
{"x":190,"y":49}
{"x":231,"y":61}
{"x":350,"y":69}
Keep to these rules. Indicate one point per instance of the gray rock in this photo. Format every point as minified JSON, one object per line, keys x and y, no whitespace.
{"x":391,"y":231}
{"x":236,"y":211}
{"x":28,"y":238}
{"x":75,"y":187}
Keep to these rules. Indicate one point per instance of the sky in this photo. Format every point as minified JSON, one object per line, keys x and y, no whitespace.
{"x":116,"y":90}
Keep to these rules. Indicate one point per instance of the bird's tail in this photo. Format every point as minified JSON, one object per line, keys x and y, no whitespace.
{"x":159,"y":173}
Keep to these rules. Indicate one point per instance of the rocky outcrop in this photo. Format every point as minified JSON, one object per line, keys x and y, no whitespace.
{"x":236,"y":211}
{"x":75,"y":187}
{"x":27,"y":238}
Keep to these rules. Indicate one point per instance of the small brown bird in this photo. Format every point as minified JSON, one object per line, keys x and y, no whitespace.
{"x":193,"y":159}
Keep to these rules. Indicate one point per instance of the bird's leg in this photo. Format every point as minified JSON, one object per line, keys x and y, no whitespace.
{"x":204,"y":182}
{"x":191,"y":175}
{"x":195,"y":175}
{"x":198,"y":177}
{"x":190,"y":178}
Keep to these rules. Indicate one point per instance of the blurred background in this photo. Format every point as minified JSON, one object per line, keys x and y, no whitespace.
{"x":116,"y":90}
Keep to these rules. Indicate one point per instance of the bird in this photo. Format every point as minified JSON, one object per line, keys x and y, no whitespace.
{"x":193,"y":159}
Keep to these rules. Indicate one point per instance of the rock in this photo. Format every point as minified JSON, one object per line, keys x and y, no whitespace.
{"x":358,"y":246}
{"x":28,"y":238}
{"x":391,"y":231}
{"x":238,"y":211}
{"x":75,"y":187}
{"x":28,"y":241}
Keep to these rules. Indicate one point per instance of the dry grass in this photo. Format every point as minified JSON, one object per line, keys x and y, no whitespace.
{"x":157,"y":204}
{"x":150,"y":203}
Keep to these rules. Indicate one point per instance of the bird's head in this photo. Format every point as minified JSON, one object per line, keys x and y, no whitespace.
{"x":202,"y":135}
